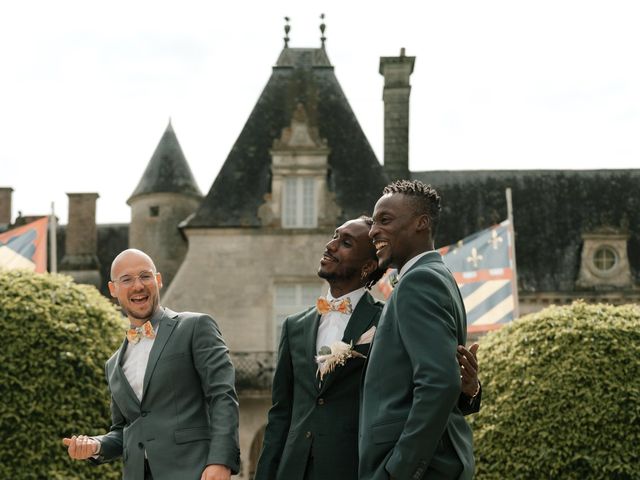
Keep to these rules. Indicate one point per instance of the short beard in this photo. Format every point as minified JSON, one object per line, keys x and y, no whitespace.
{"x":333,"y":276}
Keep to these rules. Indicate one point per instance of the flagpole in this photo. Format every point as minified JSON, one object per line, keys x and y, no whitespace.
{"x":53,"y":245}
{"x":516,"y":301}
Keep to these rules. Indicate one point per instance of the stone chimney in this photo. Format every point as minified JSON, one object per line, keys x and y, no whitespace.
{"x":396,"y":72}
{"x":5,"y":207}
{"x":81,"y":240}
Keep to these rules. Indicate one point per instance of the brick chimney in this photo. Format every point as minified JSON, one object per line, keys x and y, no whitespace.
{"x":5,"y":206}
{"x":81,"y":240}
{"x":396,"y":72}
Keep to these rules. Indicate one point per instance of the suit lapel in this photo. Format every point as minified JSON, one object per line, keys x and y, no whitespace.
{"x":121,"y":385}
{"x":311,"y":323}
{"x":166,"y":324}
{"x":360,"y":322}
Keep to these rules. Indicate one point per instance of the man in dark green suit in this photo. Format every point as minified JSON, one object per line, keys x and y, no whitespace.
{"x":312,"y":426}
{"x":411,"y":426}
{"x":173,"y":402}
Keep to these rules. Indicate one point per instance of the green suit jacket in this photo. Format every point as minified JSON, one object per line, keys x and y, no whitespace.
{"x":411,"y":425}
{"x":188,"y":416}
{"x":309,"y":418}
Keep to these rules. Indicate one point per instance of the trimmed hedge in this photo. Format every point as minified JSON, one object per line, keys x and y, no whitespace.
{"x":56,"y":336}
{"x":561,"y":396}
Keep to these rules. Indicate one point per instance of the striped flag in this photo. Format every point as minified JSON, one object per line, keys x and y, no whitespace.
{"x":25,"y":247}
{"x":483,"y":265}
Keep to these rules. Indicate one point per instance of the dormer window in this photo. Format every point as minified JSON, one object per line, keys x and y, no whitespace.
{"x":299,"y":203}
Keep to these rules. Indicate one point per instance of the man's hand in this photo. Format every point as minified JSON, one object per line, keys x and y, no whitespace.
{"x":81,"y":447}
{"x":216,"y":472}
{"x":468,"y":369}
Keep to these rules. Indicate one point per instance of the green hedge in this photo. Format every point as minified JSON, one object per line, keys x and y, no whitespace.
{"x":561,"y":396}
{"x":56,"y":336}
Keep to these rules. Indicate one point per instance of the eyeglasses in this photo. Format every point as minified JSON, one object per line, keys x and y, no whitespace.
{"x":129,"y":280}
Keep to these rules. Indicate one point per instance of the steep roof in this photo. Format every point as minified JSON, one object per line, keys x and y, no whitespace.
{"x":551,"y":209}
{"x":168,"y":170}
{"x":306,"y":76}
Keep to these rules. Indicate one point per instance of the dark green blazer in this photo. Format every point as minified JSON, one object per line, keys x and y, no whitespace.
{"x":188,"y":416}
{"x":411,"y":425}
{"x":309,"y":418}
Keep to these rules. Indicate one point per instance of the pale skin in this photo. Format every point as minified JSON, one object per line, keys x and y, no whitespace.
{"x":139,"y":301}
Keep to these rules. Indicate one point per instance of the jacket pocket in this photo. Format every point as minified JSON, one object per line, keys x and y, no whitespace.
{"x":387,"y":432}
{"x":186,"y":435}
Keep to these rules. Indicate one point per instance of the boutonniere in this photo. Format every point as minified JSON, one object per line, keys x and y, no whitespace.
{"x":337,"y":353}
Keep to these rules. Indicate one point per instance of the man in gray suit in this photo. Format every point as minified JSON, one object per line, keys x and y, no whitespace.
{"x":411,"y":423}
{"x":174,"y":407}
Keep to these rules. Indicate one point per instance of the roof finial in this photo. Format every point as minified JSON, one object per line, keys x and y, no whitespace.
{"x":287,"y":29}
{"x":322,"y":28}
{"x":169,"y":120}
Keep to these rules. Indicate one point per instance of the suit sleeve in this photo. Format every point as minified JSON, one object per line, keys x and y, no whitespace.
{"x":279,"y":420}
{"x":217,"y":377}
{"x":111,"y":443}
{"x":427,"y":329}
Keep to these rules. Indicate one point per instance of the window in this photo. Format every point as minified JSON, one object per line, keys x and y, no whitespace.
{"x":291,"y":298}
{"x":299,"y":203}
{"x":154,"y":211}
{"x":605,"y":259}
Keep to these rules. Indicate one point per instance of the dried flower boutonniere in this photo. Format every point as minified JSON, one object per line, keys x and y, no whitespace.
{"x":337,"y":353}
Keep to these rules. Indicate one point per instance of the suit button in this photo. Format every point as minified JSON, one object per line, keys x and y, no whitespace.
{"x":140,"y":445}
{"x":321,"y":401}
{"x":144,"y":414}
{"x":307,"y":435}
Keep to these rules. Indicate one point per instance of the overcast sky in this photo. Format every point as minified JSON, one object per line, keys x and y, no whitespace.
{"x":87,"y":87}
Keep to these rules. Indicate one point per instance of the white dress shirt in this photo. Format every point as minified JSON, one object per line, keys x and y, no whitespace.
{"x":333,"y":324}
{"x":134,"y":365}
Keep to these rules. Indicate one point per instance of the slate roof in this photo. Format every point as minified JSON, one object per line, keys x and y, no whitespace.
{"x":300,"y":76}
{"x":168,"y":170}
{"x":551,"y":208}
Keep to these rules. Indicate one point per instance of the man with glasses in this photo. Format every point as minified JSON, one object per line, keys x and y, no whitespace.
{"x":173,"y":402}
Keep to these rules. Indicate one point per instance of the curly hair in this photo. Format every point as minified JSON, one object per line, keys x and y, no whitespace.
{"x":424,"y":198}
{"x":378,"y":273}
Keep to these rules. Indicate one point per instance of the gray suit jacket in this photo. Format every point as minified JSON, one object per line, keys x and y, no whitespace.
{"x":188,"y":416}
{"x":411,"y":425}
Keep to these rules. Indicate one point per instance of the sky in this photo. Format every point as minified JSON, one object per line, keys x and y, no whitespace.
{"x":87,"y":88}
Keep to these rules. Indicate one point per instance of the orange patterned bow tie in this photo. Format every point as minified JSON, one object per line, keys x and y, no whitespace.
{"x":325,"y":306}
{"x":145,"y":330}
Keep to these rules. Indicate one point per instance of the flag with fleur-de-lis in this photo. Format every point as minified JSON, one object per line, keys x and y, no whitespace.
{"x":483,"y":265}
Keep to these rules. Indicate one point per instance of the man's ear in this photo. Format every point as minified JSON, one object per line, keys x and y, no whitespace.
{"x":423,"y":223}
{"x":159,"y":280}
{"x":370,"y":266}
{"x":112,"y":289}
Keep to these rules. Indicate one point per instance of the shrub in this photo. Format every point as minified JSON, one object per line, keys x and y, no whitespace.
{"x":561,"y":396}
{"x":56,"y":336}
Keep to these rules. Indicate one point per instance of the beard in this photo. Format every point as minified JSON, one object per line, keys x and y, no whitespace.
{"x":340,"y":274}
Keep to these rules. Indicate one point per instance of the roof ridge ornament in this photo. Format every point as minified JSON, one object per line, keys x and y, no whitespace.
{"x":322,"y":29}
{"x":287,"y":29}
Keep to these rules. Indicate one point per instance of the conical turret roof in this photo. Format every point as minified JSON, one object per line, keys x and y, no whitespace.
{"x":168,"y":170}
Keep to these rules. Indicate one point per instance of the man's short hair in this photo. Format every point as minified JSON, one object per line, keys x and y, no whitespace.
{"x":424,"y":198}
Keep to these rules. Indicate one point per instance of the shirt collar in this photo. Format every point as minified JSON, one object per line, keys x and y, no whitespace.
{"x":353,"y":296}
{"x":405,"y":268}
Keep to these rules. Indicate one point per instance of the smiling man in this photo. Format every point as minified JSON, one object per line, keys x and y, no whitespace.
{"x":174,"y":407}
{"x":312,"y":430}
{"x":411,"y":423}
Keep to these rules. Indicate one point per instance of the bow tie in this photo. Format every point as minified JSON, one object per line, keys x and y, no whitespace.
{"x":342,"y":306}
{"x":145,"y":330}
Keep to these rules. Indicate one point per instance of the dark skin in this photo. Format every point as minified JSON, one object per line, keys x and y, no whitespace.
{"x":349,"y":258}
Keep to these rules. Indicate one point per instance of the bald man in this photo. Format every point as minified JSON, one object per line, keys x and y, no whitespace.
{"x":174,"y":407}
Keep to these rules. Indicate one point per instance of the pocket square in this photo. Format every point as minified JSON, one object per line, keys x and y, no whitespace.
{"x":367,"y":336}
